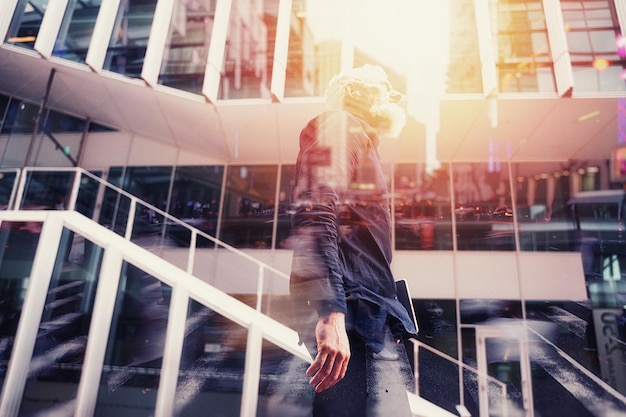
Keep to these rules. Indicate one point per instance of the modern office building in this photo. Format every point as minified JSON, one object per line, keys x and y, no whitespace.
{"x":146,"y":154}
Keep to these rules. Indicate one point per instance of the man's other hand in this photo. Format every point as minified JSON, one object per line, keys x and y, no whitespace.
{"x":333,"y":352}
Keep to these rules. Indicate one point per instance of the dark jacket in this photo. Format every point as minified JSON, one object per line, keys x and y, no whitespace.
{"x":341,"y":221}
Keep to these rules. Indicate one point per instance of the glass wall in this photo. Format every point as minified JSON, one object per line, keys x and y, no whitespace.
{"x":535,"y":205}
{"x":320,"y":42}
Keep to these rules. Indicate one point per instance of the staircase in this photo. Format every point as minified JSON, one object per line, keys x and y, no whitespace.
{"x":91,"y":324}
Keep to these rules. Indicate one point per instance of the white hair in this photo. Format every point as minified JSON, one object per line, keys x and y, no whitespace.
{"x":367,"y":93}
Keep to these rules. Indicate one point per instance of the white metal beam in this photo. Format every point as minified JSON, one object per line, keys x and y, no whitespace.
{"x":156,"y":43}
{"x":103,"y":309}
{"x":102,"y":34}
{"x":49,"y":29}
{"x":558,"y":47}
{"x":485,"y":48}
{"x":215,"y":59}
{"x":281,"y":50}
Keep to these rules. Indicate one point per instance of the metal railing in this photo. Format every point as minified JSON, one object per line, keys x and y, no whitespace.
{"x":116,"y":250}
{"x":23,"y":198}
{"x":481,"y":377}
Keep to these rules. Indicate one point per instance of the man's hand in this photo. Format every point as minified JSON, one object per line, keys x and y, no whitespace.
{"x":333,"y":352}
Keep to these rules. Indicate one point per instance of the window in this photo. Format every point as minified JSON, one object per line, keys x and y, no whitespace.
{"x":521,"y":42}
{"x":597,"y":49}
{"x":187,"y":47}
{"x":249,"y":204}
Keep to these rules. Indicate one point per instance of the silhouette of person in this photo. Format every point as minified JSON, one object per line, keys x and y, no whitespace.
{"x":341,"y":285}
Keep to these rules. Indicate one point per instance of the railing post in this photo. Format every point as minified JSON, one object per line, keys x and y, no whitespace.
{"x":103,"y":309}
{"x":172,"y":352}
{"x":252,"y":372}
{"x":20,"y":188}
{"x":416,"y":372}
{"x":71,"y":204}
{"x":34,"y":301}
{"x":130,"y":221}
{"x":259,"y":289}
{"x":191,"y":259}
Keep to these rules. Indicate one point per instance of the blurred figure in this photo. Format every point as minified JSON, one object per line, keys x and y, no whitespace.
{"x":342,"y":288}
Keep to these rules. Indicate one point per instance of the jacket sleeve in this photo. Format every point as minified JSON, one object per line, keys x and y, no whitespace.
{"x":324,"y":170}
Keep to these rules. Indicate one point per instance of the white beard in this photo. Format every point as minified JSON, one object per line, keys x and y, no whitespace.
{"x":388,"y":119}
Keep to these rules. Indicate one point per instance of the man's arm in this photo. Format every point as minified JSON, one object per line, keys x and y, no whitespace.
{"x":333,"y":352}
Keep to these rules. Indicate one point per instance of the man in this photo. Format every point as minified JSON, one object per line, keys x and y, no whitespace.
{"x":341,"y":282}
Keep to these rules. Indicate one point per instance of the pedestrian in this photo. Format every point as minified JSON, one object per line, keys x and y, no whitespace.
{"x":341,"y":284}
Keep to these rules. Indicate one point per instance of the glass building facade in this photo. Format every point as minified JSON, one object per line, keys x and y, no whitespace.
{"x":276,"y":52}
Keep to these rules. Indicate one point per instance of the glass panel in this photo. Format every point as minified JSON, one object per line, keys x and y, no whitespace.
{"x":88,"y":194}
{"x":283,"y":387}
{"x":595,"y":44}
{"x":24,"y":26}
{"x":283,"y":228}
{"x":115,"y":206}
{"x":4,"y":105}
{"x":149,"y":184}
{"x":464,"y":69}
{"x":187,"y":47}
{"x":504,"y":363}
{"x":212,"y":365}
{"x":542,"y":193}
{"x":249,"y":204}
{"x":439,"y":382}
{"x":196,"y":196}
{"x":47,"y":190}
{"x":480,"y":311}
{"x":483,"y":206}
{"x":76,"y":30}
{"x":249,"y":54}
{"x":7,"y":184}
{"x":56,"y":365}
{"x":17,"y":132}
{"x":521,"y":40}
{"x":18,"y":243}
{"x":134,"y":352}
{"x":58,"y":141}
{"x":569,"y":325}
{"x":127,"y":47}
{"x":437,"y":324}
{"x":314,"y":53}
{"x":423,"y":219}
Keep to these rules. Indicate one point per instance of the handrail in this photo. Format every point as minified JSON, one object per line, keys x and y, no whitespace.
{"x":194,"y":232}
{"x":184,"y":287}
{"x":580,"y":367}
{"x":417,"y":344}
